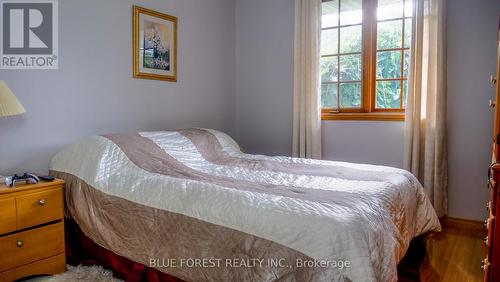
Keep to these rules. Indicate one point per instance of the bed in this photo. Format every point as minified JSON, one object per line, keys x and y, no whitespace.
{"x":191,"y":204}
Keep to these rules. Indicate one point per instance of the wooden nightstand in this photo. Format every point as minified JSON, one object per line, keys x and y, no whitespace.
{"x":31,"y":230}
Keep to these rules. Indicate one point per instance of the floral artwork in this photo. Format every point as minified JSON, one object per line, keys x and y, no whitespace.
{"x":155,"y":45}
{"x":156,"y":55}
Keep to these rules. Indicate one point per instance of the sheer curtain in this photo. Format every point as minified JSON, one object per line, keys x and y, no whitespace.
{"x":425,"y":124}
{"x":306,"y":108}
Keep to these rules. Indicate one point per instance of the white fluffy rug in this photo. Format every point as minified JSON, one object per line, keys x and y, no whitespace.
{"x":80,"y":273}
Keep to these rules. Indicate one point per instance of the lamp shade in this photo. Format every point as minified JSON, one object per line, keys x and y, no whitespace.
{"x":9,"y":105}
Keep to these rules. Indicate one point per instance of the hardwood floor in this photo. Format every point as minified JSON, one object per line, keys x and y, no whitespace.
{"x":454,"y":255}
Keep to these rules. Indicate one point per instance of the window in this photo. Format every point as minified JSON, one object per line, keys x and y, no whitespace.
{"x":364,"y":58}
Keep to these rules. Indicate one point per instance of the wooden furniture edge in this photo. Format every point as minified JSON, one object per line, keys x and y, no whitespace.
{"x":23,"y":187}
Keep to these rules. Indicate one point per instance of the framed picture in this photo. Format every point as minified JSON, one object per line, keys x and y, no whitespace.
{"x":155,"y":45}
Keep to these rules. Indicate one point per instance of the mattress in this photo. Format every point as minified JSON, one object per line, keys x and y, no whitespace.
{"x":191,"y":204}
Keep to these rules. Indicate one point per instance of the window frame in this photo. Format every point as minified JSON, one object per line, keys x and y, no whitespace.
{"x":368,"y":110}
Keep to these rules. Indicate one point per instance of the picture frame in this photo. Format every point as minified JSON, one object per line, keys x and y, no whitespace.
{"x":154,"y":45}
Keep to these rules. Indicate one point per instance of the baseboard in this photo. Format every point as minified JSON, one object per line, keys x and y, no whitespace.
{"x":460,"y":223}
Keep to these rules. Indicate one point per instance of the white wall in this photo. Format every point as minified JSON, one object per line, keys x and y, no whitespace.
{"x":264,"y":89}
{"x":93,"y":91}
{"x":264,"y":73}
{"x":371,"y":142}
{"x":472,"y":49}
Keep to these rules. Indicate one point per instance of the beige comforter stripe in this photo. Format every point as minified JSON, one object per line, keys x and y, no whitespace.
{"x":212,"y":150}
{"x":147,"y":155}
{"x":143,"y":233}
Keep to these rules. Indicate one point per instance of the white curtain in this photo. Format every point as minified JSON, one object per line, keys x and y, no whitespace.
{"x":425,"y":124}
{"x":306,"y":108}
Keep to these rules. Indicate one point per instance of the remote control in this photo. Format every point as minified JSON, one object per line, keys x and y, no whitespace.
{"x":46,"y":177}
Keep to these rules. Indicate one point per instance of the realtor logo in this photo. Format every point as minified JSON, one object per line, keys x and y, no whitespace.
{"x":29,"y":35}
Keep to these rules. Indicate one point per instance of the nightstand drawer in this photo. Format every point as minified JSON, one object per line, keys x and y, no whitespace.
{"x":32,"y":245}
{"x":7,"y":215}
{"x":48,"y":266}
{"x":39,"y":208}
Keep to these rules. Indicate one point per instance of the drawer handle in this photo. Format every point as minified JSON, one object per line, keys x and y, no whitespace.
{"x":492,"y":103}
{"x":42,"y":202}
{"x":20,"y":243}
{"x":484,"y":264}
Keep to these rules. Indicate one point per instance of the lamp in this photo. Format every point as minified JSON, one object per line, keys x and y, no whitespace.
{"x":9,"y":105}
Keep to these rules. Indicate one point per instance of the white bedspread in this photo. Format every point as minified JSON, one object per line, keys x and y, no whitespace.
{"x":370,"y":224}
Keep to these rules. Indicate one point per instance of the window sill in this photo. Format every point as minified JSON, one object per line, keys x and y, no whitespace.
{"x":364,"y":116}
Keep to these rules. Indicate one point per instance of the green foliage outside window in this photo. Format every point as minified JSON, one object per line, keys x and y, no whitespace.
{"x":389,"y":65}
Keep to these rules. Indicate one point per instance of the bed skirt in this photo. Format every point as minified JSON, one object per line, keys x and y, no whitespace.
{"x":82,"y":250}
